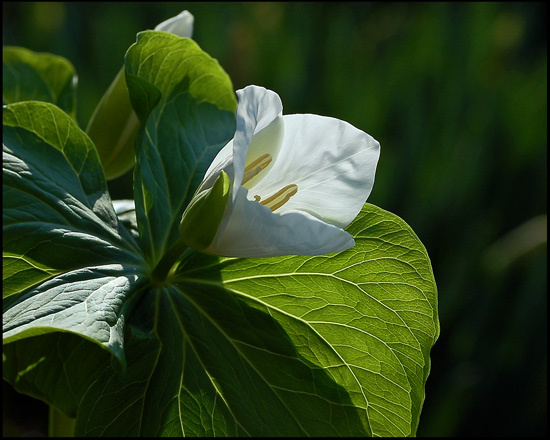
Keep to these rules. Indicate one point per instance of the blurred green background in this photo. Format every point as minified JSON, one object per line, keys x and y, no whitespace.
{"x":456,"y":94}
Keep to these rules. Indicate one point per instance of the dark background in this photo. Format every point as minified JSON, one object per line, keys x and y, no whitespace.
{"x":456,"y":94}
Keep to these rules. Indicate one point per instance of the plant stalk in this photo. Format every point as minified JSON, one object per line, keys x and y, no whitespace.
{"x":60,"y":425}
{"x":162,"y":268}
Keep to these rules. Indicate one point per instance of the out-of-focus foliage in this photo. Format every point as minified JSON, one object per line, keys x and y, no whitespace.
{"x":456,"y":94}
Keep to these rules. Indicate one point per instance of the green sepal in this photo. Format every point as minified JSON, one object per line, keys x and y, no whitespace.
{"x":201,"y":220}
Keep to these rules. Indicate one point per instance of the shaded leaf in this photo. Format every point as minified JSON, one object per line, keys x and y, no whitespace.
{"x":56,"y":368}
{"x":70,"y":268}
{"x":113,"y":128}
{"x":57,"y":213}
{"x":187,"y":104}
{"x":32,"y":76}
{"x":92,"y":302}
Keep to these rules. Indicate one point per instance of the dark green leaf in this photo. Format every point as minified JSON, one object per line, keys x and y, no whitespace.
{"x":56,"y":368}
{"x":57,"y":213}
{"x":187,"y":104}
{"x":31,"y":76}
{"x":61,"y":233}
{"x":92,"y":302}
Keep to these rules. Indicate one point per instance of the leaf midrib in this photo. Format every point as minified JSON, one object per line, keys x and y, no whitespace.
{"x":214,"y":323}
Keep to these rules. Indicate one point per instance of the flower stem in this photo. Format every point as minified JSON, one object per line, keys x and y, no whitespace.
{"x":162,"y":268}
{"x":59,"y":424}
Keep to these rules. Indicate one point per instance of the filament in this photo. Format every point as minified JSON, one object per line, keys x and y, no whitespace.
{"x":254,"y":168}
{"x":280,"y":197}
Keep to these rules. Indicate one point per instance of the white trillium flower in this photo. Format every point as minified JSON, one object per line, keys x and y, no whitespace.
{"x":180,"y":25}
{"x":295,"y":181}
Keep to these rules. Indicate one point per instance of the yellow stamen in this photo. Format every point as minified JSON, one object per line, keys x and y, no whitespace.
{"x":254,"y":168}
{"x":280,"y":197}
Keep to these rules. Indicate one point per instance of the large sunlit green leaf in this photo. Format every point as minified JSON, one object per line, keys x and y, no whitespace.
{"x":186,"y":102}
{"x":328,"y":345}
{"x":32,"y":76}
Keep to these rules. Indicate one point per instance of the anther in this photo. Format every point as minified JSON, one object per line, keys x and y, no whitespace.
{"x":254,"y":168}
{"x":280,"y":197}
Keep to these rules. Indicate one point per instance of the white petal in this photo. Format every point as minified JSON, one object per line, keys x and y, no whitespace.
{"x":222,"y":161}
{"x":180,"y":25}
{"x":257,"y":109}
{"x":254,"y":231}
{"x":332,"y":163}
{"x":259,"y":130}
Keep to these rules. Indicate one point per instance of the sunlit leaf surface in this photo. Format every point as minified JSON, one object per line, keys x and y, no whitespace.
{"x":329,"y":345}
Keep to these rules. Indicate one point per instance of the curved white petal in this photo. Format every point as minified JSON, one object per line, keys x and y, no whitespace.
{"x":254,"y":231}
{"x":257,"y":109}
{"x":180,"y":25}
{"x":259,"y":130}
{"x":332,"y":163}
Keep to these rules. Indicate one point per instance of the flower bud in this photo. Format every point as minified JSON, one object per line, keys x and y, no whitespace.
{"x":180,"y":25}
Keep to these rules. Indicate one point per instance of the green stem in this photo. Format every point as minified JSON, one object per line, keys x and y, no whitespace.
{"x":161,"y":270}
{"x":59,"y":424}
